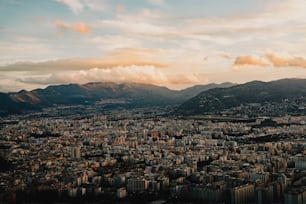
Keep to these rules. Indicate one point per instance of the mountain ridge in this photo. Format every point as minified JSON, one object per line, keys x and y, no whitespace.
{"x":132,"y":95}
{"x":215,"y":101}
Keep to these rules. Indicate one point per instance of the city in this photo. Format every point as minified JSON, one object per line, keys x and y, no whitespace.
{"x":152,"y":101}
{"x":137,"y":156}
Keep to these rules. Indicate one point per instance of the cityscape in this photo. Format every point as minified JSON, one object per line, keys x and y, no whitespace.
{"x":143,"y":156}
{"x":152,"y":102}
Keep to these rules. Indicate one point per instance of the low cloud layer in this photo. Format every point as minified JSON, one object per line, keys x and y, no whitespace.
{"x":138,"y":74}
{"x":122,"y":57}
{"x":270,"y":59}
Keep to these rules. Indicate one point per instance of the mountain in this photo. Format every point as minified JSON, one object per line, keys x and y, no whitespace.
{"x":72,"y":94}
{"x":8,"y":105}
{"x":263,"y":97}
{"x":197,"y":89}
{"x":128,"y":95}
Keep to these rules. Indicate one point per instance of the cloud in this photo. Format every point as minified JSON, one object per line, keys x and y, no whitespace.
{"x":113,"y":60}
{"x":137,"y":74}
{"x":81,"y":27}
{"x":149,"y":25}
{"x":8,"y":85}
{"x":250,"y":60}
{"x":110,"y":42}
{"x":96,"y":5}
{"x":75,"y":5}
{"x":279,"y":61}
{"x":132,"y":27}
{"x":269,"y":23}
{"x":270,"y":59}
{"x":135,"y":53}
{"x":139,"y":65}
{"x":157,"y":2}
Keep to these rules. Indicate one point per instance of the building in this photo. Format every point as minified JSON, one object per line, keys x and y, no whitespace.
{"x":121,"y":193}
{"x":263,"y":176}
{"x":76,"y":152}
{"x":211,"y":193}
{"x":300,"y":162}
{"x":137,"y":184}
{"x":262,"y":195}
{"x":242,"y":194}
{"x":295,"y":196}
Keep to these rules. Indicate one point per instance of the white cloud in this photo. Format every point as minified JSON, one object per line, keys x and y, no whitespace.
{"x":131,"y":27}
{"x":75,"y":5}
{"x":111,"y":42}
{"x":96,"y":5}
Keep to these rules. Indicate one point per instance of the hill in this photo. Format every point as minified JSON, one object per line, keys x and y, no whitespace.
{"x":127,"y":95}
{"x":272,"y":98}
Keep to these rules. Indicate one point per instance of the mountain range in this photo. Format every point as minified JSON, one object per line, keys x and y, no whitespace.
{"x":286,"y":95}
{"x":128,"y":95}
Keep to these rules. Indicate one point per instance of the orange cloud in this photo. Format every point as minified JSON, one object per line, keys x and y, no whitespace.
{"x":124,"y":57}
{"x":270,"y":59}
{"x":82,"y":28}
{"x":250,"y":60}
{"x":280,"y":61}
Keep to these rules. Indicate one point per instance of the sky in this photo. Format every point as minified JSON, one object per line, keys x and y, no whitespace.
{"x":172,"y":43}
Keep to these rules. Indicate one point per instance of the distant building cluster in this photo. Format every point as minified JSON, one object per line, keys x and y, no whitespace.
{"x":122,"y":156}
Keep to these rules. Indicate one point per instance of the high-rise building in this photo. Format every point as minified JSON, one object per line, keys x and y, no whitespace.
{"x":296,"y":196}
{"x":242,"y":194}
{"x":262,"y":176}
{"x":137,"y":184}
{"x":262,"y":195}
{"x":300,"y":162}
{"x":76,"y":152}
